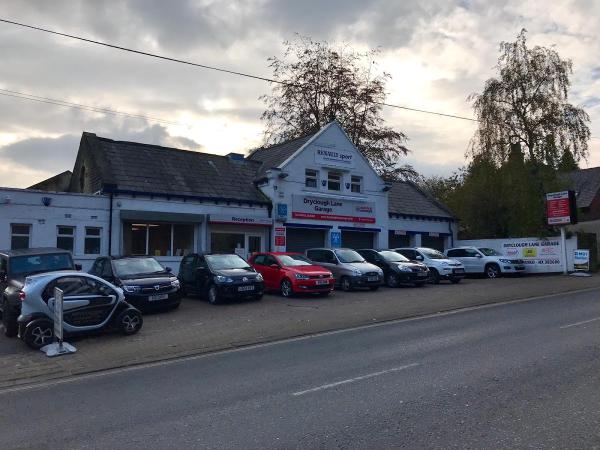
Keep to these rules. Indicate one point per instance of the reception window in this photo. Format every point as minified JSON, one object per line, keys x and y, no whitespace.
{"x":157,"y":239}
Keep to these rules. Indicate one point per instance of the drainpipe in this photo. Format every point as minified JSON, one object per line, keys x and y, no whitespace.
{"x":270,"y":211}
{"x":110,"y":217}
{"x":451,"y":233}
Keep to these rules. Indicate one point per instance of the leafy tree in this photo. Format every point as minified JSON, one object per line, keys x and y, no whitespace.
{"x":528,"y":103}
{"x":319,"y":83}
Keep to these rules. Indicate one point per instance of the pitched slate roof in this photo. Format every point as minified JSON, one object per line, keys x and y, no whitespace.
{"x":407,"y":199}
{"x":274,"y":156}
{"x":132,"y":166}
{"x":586,"y":183}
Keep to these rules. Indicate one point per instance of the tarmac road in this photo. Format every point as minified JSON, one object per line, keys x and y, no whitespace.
{"x":513,"y":375}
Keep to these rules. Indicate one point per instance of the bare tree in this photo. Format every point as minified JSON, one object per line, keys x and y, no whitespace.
{"x":528,"y":104}
{"x":320,"y":84}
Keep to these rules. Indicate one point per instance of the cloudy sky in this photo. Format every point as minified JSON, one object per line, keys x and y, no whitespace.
{"x":438,"y":52}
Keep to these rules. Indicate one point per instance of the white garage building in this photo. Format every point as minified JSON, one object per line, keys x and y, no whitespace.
{"x":127,"y":198}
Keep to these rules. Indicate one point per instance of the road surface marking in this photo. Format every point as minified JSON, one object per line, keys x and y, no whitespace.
{"x":580,"y":323}
{"x":353,"y":380}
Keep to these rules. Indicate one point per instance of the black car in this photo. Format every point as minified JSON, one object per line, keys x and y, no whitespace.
{"x":146,"y":284}
{"x":397,"y":269}
{"x":15,"y":266}
{"x":220,"y":277}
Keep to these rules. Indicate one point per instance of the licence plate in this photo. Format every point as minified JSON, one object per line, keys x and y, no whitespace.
{"x":153,"y":298}
{"x":422,"y":274}
{"x":321,"y":282}
{"x":459,"y":270}
{"x":372,"y":278}
{"x":246,"y":288}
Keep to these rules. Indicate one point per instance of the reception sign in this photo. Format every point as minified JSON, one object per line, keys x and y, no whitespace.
{"x":333,"y":209}
{"x":257,"y":221}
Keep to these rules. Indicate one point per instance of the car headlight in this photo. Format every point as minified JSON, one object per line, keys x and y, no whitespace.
{"x":131,"y":289}
{"x":223,"y":279}
{"x":444,"y":263}
{"x":505,"y":261}
{"x":356,"y":272}
{"x":259,"y":277}
{"x":301,"y":276}
{"x":175,"y":284}
{"x":404,"y":268}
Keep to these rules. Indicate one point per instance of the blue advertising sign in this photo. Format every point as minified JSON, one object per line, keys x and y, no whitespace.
{"x":282,"y":210}
{"x":336,"y":239}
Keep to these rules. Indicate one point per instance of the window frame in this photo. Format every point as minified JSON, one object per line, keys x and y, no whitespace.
{"x":20,"y":235}
{"x":171,"y":250}
{"x":71,"y":236}
{"x":339,"y":182}
{"x":308,"y":177}
{"x":92,"y":236}
{"x":358,"y":183}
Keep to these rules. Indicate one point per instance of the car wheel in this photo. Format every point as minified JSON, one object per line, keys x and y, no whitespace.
{"x":346,"y":284}
{"x":130,"y":321}
{"x":213,"y":295}
{"x":9,"y":320}
{"x":38,"y":333}
{"x":286,"y":288}
{"x":492,"y":271}
{"x":434,"y":276}
{"x":392,"y":280}
{"x":454,"y":280}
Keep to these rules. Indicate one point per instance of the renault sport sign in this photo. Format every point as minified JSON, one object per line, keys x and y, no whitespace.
{"x":333,"y":209}
{"x":334,"y":157}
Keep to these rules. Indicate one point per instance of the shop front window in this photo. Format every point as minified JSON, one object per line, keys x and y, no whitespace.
{"x":157,"y":239}
{"x":19,"y":236}
{"x":226,"y":242}
{"x":65,"y":237}
{"x":92,"y":241}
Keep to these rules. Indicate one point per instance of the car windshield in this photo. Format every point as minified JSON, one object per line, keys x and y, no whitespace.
{"x":294,"y":260}
{"x":220,"y":262}
{"x":349,"y":256}
{"x":129,"y":267}
{"x":393,"y":256}
{"x":27,"y":265}
{"x":489,"y":252}
{"x":432,"y":254}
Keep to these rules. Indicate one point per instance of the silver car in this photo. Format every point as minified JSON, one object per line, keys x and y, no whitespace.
{"x":90,"y":304}
{"x":350,"y":270}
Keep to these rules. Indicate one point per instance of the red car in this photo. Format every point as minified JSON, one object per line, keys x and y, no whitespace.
{"x":292,"y":273}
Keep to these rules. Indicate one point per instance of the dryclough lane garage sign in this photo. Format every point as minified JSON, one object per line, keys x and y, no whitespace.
{"x":333,"y":209}
{"x":561,"y":208}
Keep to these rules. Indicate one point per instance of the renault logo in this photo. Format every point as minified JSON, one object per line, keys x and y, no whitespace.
{"x":245,"y":279}
{"x":157,"y":287}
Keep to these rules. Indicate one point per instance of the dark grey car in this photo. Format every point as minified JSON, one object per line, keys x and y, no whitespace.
{"x":349,"y":269}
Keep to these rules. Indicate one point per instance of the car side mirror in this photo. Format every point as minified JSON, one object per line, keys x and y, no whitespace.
{"x":3,"y":276}
{"x":168,"y":269}
{"x":274,"y":266}
{"x":78,"y":267}
{"x":479,"y":256}
{"x":419,"y":258}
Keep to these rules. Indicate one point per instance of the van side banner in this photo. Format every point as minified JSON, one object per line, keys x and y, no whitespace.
{"x":337,"y":210}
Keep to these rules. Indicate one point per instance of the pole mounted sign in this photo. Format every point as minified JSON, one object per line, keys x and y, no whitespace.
{"x":561,"y":208}
{"x":58,"y":347}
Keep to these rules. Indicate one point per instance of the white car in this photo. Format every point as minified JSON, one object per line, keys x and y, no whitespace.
{"x":487,"y":261}
{"x":440,"y":267}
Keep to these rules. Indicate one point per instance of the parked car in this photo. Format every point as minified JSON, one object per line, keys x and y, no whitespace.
{"x":146,"y":283}
{"x":440,"y":267}
{"x":397,"y":269}
{"x":220,"y":277}
{"x":292,"y":273}
{"x":15,"y":266}
{"x":90,"y":304}
{"x":349,"y":268}
{"x":487,"y":261}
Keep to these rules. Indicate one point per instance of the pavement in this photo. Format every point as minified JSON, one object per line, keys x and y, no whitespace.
{"x":523,"y":374}
{"x":197,"y":327}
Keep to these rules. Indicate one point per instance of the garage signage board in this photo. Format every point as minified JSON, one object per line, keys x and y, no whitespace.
{"x":332,"y":209}
{"x":326,"y":156}
{"x":560,"y":208}
{"x":581,"y":260}
{"x":241,"y":220}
